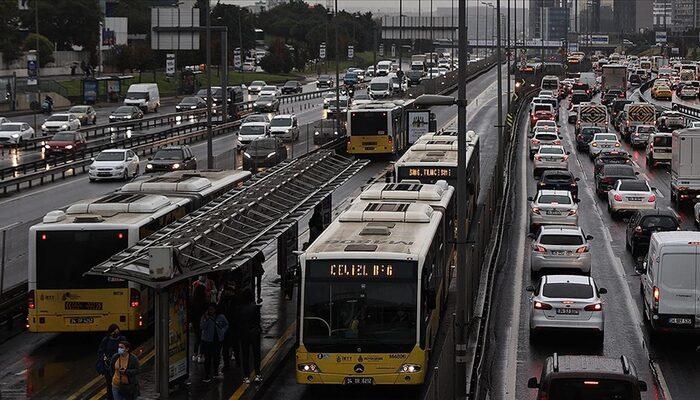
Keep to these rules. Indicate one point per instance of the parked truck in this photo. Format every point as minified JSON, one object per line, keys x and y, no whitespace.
{"x":685,"y":165}
{"x":613,"y":76}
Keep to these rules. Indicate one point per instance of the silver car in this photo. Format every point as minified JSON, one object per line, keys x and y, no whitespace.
{"x":567,"y":302}
{"x":553,"y":207}
{"x":629,"y":195}
{"x":640,"y":134}
{"x":543,"y":138}
{"x":559,"y":246}
{"x":550,"y":157}
{"x":602,"y":141}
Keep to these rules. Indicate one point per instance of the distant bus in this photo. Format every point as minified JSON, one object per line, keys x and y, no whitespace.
{"x":378,"y":128}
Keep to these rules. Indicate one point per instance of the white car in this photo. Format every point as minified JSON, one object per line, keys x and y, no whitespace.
{"x":327,"y":98}
{"x":546,"y":93}
{"x":285,"y":127}
{"x":550,"y":157}
{"x":694,"y":124}
{"x":114,"y":164}
{"x":659,"y":148}
{"x":567,"y":302}
{"x":256,"y":86}
{"x":15,"y":132}
{"x":253,"y":130}
{"x":629,"y":195}
{"x":270,"y":90}
{"x":546,"y":123}
{"x":4,"y":120}
{"x":60,"y":122}
{"x":542,"y":139}
{"x":553,"y":207}
{"x":249,"y":66}
{"x":602,"y":141}
{"x":433,"y":72}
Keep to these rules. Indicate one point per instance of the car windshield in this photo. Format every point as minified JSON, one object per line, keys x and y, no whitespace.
{"x":291,"y":84}
{"x":190,"y":100}
{"x":626,"y":171}
{"x":58,"y":118}
{"x":561,"y":240}
{"x":63,"y":137}
{"x":343,"y":103}
{"x":362,"y":96}
{"x":379,"y":86}
{"x":590,"y":131}
{"x":590,"y":389}
{"x":567,"y":290}
{"x":168,"y":154}
{"x":351,"y":75}
{"x":257,"y":83}
{"x":660,"y":221}
{"x":546,"y":123}
{"x":281,"y":122}
{"x":556,"y":177}
{"x":110,"y":156}
{"x":545,"y":136}
{"x":551,"y":150}
{"x":265,"y":98}
{"x":646,"y":129}
{"x":611,"y":137}
{"x":124,"y":110}
{"x":252,"y":130}
{"x":554,"y":198}
{"x":543,"y":107}
{"x":324,"y":78}
{"x":10,"y":127}
{"x":263,"y":144}
{"x":270,"y":89}
{"x":78,"y":109}
{"x":256,"y":118}
{"x":662,"y":141}
{"x":634,"y":186}
{"x":137,"y":95}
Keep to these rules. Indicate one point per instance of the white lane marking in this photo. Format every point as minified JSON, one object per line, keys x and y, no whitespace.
{"x":513,"y":333}
{"x":659,"y":193}
{"x":673,"y":211}
{"x":666,"y":393}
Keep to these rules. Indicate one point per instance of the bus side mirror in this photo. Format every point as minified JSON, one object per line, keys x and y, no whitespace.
{"x":532,"y":383}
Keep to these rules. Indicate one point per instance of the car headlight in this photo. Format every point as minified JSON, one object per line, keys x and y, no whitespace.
{"x":92,"y":168}
{"x":245,"y":154}
{"x":47,"y":146}
{"x":335,"y":133}
{"x":119,"y":167}
{"x":316,"y":133}
{"x":308,"y":367}
{"x":149,"y":166}
{"x":410,"y":368}
{"x":15,"y":135}
{"x":193,"y":107}
{"x":271,"y":154}
{"x":176,"y":166}
{"x":43,"y":126}
{"x":70,"y":146}
{"x":64,"y":126}
{"x":128,"y":117}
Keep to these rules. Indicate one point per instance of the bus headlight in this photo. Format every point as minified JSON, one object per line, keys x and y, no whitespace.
{"x":410,"y":368}
{"x":308,"y":367}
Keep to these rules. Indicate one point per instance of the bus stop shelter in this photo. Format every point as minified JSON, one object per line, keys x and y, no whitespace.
{"x":113,"y":88}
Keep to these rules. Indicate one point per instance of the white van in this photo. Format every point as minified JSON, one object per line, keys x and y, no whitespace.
{"x":144,"y":96}
{"x":380,"y":87}
{"x":670,"y":282}
{"x":384,"y":67}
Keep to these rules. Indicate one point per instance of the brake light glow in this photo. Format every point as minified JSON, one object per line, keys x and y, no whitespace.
{"x":590,"y":382}
{"x":557,"y":142}
{"x":572,"y":212}
{"x":535,"y":141}
{"x":120,"y":235}
{"x":566,"y":157}
{"x":539,"y":249}
{"x":31,"y":304}
{"x":535,"y":210}
{"x":582,"y":249}
{"x":542,"y":306}
{"x":538,"y":157}
{"x":617,"y":197}
{"x":134,"y":298}
{"x":43,"y":236}
{"x":594,"y":307}
{"x":657,"y":294}
{"x":652,"y":198}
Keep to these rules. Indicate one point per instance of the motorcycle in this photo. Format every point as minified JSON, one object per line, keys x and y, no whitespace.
{"x":47,"y":106}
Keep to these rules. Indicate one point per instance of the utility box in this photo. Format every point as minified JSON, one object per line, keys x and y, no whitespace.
{"x":160,"y":263}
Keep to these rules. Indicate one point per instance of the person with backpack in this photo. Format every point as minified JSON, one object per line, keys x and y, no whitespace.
{"x":124,"y":367}
{"x":213,"y":330}
{"x":108,"y":347}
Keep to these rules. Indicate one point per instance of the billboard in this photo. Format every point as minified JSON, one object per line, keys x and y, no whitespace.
{"x":661,"y":37}
{"x":115,"y":31}
{"x":173,"y":17}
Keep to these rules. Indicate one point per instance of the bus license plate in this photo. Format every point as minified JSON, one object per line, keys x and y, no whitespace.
{"x":680,"y":321}
{"x":82,"y":320}
{"x":357,"y":380}
{"x":567,"y":311}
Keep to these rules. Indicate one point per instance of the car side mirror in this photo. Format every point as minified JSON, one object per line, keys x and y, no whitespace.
{"x":532,"y":383}
{"x":568,"y":153}
{"x":577,"y":179}
{"x":577,"y":200}
{"x":589,"y":237}
{"x":636,"y":172}
{"x":150,"y":158}
{"x":530,"y":198}
{"x":530,"y":289}
{"x":602,"y":290}
{"x":654,"y":189}
{"x":643,"y":386}
{"x":531,"y":235}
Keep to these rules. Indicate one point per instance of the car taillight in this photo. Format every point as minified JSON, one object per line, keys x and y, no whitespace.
{"x":617,"y":144}
{"x":542,"y":306}
{"x":594,"y":144}
{"x":539,"y":249}
{"x":538,"y":157}
{"x":638,"y":229}
{"x":535,"y":210}
{"x":594,"y":307}
{"x":617,"y":197}
{"x":557,"y":142}
{"x":572,"y":212}
{"x":31,"y":304}
{"x":566,"y":157}
{"x":134,"y":298}
{"x":652,"y":198}
{"x":636,"y":134}
{"x":656,"y":293}
{"x":582,"y":249}
{"x":535,"y":141}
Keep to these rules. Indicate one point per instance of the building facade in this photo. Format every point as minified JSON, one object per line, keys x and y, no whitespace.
{"x":662,"y":14}
{"x":683,"y":15}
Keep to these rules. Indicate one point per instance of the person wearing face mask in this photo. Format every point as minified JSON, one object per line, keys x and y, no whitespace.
{"x":108,"y":347}
{"x":124,"y":367}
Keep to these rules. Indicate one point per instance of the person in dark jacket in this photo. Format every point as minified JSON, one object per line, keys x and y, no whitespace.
{"x":228,"y":304}
{"x":248,"y":323}
{"x":108,"y":347}
{"x":124,"y":368}
{"x":214,"y":326}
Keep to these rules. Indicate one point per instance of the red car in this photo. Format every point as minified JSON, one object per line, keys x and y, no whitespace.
{"x":541,"y":115}
{"x":65,"y":142}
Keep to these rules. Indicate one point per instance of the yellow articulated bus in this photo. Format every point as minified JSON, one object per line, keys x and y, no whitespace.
{"x":373,"y":285}
{"x":67,"y":243}
{"x":378,"y":128}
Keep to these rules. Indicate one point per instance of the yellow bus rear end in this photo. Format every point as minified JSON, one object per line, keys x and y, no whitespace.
{"x":370,"y":145}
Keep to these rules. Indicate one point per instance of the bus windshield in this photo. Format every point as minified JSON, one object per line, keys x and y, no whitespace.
{"x":62,"y":257}
{"x":368,"y":123}
{"x":365,"y":304}
{"x":602,"y":389}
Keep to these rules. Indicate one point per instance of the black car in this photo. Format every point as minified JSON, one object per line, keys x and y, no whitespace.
{"x":610,"y":157}
{"x":292,"y":87}
{"x":235,"y":94}
{"x":607,"y":98}
{"x":617,"y":106}
{"x":172,"y":158}
{"x":611,"y":173}
{"x":635,"y":79}
{"x":559,"y":180}
{"x":579,"y":96}
{"x":645,"y":222}
{"x":266,"y":104}
{"x":125,"y":113}
{"x":264,"y":152}
{"x":585,"y":135}
{"x":414,"y":77}
{"x":191,"y":103}
{"x":326,"y":130}
{"x":324,"y":81}
{"x":583,"y":87}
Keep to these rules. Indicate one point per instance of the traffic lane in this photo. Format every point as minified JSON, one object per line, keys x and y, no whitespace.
{"x":623,"y":325}
{"x":675,"y":355}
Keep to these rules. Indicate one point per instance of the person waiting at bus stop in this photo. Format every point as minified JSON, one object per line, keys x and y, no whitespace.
{"x":248,"y":325}
{"x":202,"y":290}
{"x":109,"y":346}
{"x":124,"y":367}
{"x":214,"y":326}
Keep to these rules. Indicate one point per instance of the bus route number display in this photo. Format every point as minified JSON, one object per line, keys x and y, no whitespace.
{"x":377,"y":271}
{"x":429,"y":172}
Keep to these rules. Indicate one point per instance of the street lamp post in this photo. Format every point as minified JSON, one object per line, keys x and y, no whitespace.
{"x":509,"y":53}
{"x":210,"y":143}
{"x":400,"y":35}
{"x":478,"y":50}
{"x":337,"y":72}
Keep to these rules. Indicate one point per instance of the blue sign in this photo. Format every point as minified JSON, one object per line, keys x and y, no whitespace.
{"x":90,"y":88}
{"x":32,"y":68}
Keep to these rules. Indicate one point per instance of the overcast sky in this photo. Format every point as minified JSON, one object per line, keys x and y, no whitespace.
{"x":386,"y":5}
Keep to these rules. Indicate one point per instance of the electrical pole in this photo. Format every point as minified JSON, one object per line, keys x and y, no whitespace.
{"x":509,"y":53}
{"x":464,"y":274}
{"x":240,"y":40}
{"x":499,"y":77}
{"x":38,"y":65}
{"x":337,"y":72}
{"x":210,"y":136}
{"x":400,"y":35}
{"x":478,"y":49}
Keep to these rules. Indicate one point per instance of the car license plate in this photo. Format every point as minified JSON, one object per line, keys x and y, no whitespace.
{"x":560,"y":252}
{"x":634,"y":198}
{"x":81,"y":320}
{"x":680,"y":321}
{"x":662,"y":150}
{"x":606,"y":146}
{"x":567,"y":311}
{"x":104,"y":174}
{"x":552,"y":212}
{"x":358,"y":380}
